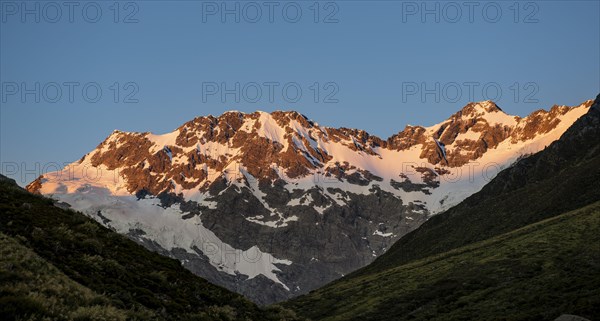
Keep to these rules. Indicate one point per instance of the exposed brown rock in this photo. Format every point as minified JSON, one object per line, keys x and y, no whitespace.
{"x":34,"y":187}
{"x":409,"y":137}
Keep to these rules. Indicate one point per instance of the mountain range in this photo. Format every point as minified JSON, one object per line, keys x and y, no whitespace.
{"x":524,"y":246}
{"x":274,"y":205}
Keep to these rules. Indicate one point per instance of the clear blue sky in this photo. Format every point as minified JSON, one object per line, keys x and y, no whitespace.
{"x":372,"y":56}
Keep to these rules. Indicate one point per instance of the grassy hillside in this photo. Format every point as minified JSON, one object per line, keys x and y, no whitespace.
{"x":537,"y":272}
{"x":83,"y":269}
{"x":31,"y":287}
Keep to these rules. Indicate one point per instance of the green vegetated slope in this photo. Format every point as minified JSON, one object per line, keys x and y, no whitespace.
{"x":33,"y":288}
{"x":564,"y":176}
{"x":537,"y":272}
{"x":59,"y":265}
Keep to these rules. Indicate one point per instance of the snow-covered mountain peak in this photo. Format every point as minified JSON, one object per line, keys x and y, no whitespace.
{"x":481,"y":107}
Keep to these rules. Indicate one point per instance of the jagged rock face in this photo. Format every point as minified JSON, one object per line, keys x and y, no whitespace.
{"x":275,"y":205}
